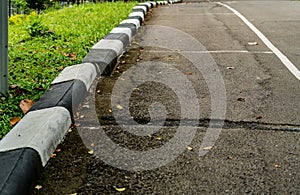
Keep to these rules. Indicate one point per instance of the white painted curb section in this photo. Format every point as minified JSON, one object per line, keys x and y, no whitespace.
{"x":136,"y":22}
{"x":115,"y":45}
{"x":137,"y":14}
{"x":41,"y":130}
{"x":122,"y":30}
{"x":140,"y":7}
{"x":147,"y":4}
{"x":85,"y":72}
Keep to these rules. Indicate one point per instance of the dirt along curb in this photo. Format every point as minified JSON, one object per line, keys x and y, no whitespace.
{"x":26,"y":149}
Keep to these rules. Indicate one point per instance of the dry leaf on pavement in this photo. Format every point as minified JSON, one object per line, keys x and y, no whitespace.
{"x":91,"y":151}
{"x":38,"y":187}
{"x":120,"y":189}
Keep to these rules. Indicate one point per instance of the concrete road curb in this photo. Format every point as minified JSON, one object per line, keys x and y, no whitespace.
{"x":26,"y":149}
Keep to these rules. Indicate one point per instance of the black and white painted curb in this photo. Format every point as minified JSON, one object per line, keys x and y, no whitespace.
{"x":26,"y":149}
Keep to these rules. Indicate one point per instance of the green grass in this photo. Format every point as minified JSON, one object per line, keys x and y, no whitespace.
{"x":59,"y":39}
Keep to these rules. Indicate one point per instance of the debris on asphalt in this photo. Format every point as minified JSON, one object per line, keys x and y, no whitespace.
{"x":241,"y":99}
{"x":38,"y":187}
{"x":208,"y":148}
{"x":119,"y":189}
{"x":230,"y":67}
{"x":189,"y":148}
{"x":252,"y":43}
{"x":91,"y":151}
{"x":258,"y":117}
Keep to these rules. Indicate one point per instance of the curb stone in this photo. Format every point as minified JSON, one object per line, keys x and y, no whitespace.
{"x":26,"y":149}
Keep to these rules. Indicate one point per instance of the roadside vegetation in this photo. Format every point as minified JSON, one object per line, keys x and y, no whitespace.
{"x":40,"y":46}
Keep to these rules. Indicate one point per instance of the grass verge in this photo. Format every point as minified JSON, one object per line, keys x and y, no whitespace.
{"x":40,"y":46}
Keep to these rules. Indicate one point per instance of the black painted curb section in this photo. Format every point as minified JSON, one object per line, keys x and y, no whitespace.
{"x":22,"y":168}
{"x":67,"y":94}
{"x":105,"y":59}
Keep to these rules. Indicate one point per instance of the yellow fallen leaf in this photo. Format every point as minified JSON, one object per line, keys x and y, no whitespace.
{"x":208,"y":148}
{"x":189,"y":148}
{"x":74,"y":194}
{"x":52,"y":155}
{"x":158,"y":138}
{"x":91,"y":151}
{"x":38,"y":187}
{"x":119,"y":107}
{"x":120,"y":189}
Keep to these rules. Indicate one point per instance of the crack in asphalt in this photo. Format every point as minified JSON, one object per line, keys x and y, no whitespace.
{"x":213,"y":123}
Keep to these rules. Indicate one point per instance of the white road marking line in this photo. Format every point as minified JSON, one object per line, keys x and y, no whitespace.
{"x":200,"y":14}
{"x":214,"y":51}
{"x":290,"y":66}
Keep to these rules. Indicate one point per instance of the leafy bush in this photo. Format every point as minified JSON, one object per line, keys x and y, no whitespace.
{"x":34,"y":61}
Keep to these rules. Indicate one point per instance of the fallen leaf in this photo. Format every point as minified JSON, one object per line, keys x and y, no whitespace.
{"x":74,"y":194}
{"x":109,"y":110}
{"x":189,"y":73}
{"x":92,"y":145}
{"x":158,"y":138}
{"x":13,"y":86}
{"x":58,"y":150}
{"x":52,"y":155}
{"x":70,"y":130}
{"x":65,"y":54}
{"x":26,"y":104}
{"x":170,"y":58}
{"x":208,"y":148}
{"x":73,"y":56}
{"x":14,"y":120}
{"x":230,"y":67}
{"x":91,"y":151}
{"x":119,"y":107}
{"x":252,"y":43}
{"x":123,"y":62}
{"x":60,"y":68}
{"x":189,"y":148}
{"x":277,"y":165}
{"x":119,"y":189}
{"x":258,"y":117}
{"x":38,"y":187}
{"x":230,"y":157}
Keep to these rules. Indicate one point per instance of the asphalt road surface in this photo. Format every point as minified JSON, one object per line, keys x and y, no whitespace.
{"x":202,"y":103}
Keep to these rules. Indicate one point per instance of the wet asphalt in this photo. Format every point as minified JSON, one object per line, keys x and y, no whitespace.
{"x":197,"y":105}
